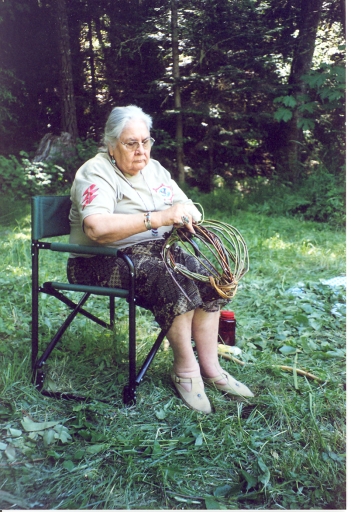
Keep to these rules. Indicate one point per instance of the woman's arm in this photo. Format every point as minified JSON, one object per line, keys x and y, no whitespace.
{"x":110,"y":227}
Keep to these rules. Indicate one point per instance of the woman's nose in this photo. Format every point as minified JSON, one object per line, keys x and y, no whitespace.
{"x":140,"y":148}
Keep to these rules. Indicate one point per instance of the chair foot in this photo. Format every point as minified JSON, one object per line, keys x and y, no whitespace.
{"x":38,"y":378}
{"x":129,"y":395}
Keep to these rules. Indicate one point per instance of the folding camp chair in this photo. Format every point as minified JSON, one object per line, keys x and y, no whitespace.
{"x":50,"y":219}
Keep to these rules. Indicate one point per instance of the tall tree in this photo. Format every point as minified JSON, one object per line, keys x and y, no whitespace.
{"x":68,"y":105}
{"x":310,"y":15}
{"x":176,"y":89}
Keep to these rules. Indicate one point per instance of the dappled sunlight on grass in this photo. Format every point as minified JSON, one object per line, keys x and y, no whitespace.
{"x":22,"y":236}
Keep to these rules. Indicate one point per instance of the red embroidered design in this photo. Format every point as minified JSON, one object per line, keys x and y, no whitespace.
{"x":166,"y":192}
{"x":89,"y":195}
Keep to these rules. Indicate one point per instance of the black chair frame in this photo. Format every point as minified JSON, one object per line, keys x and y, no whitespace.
{"x":50,"y":219}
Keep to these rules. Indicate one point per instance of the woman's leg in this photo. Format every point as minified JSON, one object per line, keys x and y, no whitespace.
{"x":203,"y":327}
{"x":185,"y":364}
{"x":186,"y":372}
{"x":205,"y":334}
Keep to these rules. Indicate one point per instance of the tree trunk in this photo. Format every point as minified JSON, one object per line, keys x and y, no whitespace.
{"x":68,"y":106}
{"x":343,"y":16}
{"x":176,"y":88}
{"x":310,"y":14}
{"x":92,"y":70}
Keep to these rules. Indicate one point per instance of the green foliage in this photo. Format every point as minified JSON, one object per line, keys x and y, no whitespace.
{"x":24,"y":178}
{"x":7,"y":99}
{"x":321,"y":196}
{"x":85,"y":149}
{"x":327,"y":88}
{"x":234,"y":60}
{"x":320,"y":112}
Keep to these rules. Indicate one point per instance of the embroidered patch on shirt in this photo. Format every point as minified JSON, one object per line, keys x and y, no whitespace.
{"x":89,"y":194}
{"x":166,"y":192}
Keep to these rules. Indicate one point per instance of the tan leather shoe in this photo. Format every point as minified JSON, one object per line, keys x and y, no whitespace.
{"x":232,"y":386}
{"x":196,"y":398}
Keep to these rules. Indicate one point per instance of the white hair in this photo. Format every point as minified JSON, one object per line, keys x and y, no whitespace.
{"x":118,"y":119}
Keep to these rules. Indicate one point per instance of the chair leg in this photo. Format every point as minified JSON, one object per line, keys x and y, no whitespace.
{"x":35,"y":303}
{"x":150,"y":357}
{"x":38,"y":372}
{"x":112,"y":312}
{"x":129,"y":391}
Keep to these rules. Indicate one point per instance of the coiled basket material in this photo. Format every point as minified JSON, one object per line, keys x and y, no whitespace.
{"x":221,"y":250}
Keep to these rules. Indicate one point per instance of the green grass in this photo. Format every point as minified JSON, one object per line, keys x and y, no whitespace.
{"x":283,"y":449}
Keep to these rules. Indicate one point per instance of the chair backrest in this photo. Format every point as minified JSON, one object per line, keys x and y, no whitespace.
{"x":50,"y":216}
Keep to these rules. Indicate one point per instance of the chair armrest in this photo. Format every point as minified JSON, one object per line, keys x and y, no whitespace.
{"x":95,"y":251}
{"x":84,"y":249}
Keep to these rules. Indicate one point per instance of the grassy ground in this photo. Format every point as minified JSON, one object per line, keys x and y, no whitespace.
{"x":283,"y":449}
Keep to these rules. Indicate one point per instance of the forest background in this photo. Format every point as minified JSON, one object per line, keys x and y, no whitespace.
{"x":245,"y":95}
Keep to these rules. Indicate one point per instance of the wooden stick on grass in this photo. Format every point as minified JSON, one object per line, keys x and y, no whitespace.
{"x":282,"y":367}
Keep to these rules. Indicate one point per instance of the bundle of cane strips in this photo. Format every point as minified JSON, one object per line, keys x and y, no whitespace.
{"x":229,"y":261}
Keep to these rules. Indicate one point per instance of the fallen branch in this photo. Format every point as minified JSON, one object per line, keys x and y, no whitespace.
{"x":303,"y":373}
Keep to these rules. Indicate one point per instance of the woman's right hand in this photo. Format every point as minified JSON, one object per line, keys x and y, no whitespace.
{"x":177,"y":215}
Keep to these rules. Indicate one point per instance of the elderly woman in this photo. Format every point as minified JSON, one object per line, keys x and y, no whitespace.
{"x":125,"y":199}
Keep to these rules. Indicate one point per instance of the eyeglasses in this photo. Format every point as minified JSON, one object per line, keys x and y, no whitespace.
{"x":133,"y":145}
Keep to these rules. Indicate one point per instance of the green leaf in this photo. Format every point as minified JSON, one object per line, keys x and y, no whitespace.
{"x":287,"y":350}
{"x":301,"y":319}
{"x":95,"y":448}
{"x":199,"y":440}
{"x":5,"y":412}
{"x":315,"y":324}
{"x":10,"y":452}
{"x":306,"y":124}
{"x":62,"y":433}
{"x":223,"y":490}
{"x":157,"y":450}
{"x":49,"y":436}
{"x":250,"y":479}
{"x":308,"y":107}
{"x":289,"y":101}
{"x":69,"y":465}
{"x":283,"y":114}
{"x":32,"y":426}
{"x":55,"y":455}
{"x":212,"y":504}
{"x":161,"y":414}
{"x":14,"y":432}
{"x":336,"y":353}
{"x":265,"y":477}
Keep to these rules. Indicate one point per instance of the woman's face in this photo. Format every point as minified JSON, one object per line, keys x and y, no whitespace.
{"x":132,"y":162}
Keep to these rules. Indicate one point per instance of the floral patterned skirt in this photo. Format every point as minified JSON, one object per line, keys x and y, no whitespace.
{"x":159,"y":289}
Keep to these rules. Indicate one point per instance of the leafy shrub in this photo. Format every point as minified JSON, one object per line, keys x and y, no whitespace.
{"x":12,"y":176}
{"x":21,"y":178}
{"x":86,"y":149}
{"x":220,"y":199}
{"x":321,"y":197}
